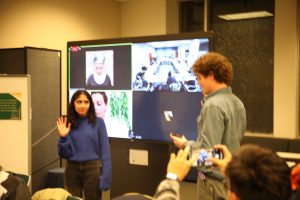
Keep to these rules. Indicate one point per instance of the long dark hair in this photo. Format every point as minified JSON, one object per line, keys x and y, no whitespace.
{"x":73,"y":115}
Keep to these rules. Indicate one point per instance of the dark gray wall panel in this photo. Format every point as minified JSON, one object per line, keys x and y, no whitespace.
{"x":44,"y":157}
{"x":40,"y":178}
{"x":249,"y":45}
{"x":12,"y":61}
{"x":44,"y":67}
{"x":137,"y":178}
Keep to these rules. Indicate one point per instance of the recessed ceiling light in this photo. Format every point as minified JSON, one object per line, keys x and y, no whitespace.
{"x":246,"y":15}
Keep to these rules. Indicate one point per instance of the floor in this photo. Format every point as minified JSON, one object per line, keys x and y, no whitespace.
{"x":187,"y":191}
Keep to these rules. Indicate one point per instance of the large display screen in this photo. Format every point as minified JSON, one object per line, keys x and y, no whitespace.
{"x":143,"y":87}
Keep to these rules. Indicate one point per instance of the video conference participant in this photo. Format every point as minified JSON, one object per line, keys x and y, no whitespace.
{"x":115,"y":126}
{"x":100,"y":102}
{"x":171,"y":79}
{"x":139,"y":75}
{"x":99,"y":76}
{"x":222,"y":119}
{"x":84,"y":144}
{"x":140,"y":83}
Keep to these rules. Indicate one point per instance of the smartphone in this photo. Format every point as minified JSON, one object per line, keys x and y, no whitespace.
{"x":204,"y":156}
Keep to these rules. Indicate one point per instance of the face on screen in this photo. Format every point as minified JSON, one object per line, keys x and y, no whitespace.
{"x":99,"y":67}
{"x":100,"y":104}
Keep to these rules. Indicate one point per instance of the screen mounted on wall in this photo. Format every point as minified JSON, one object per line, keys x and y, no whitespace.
{"x":143,"y":87}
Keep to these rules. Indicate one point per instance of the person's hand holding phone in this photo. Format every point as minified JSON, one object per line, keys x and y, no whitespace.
{"x":178,"y":140}
{"x":204,"y":155}
{"x":180,"y":164}
{"x":222,"y":164}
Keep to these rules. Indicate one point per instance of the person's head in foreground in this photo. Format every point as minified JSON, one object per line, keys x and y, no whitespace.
{"x":255,"y":173}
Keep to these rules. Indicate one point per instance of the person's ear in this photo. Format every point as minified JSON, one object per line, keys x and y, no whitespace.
{"x":211,"y":76}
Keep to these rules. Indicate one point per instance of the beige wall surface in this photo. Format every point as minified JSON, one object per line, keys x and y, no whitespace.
{"x":286,"y":70}
{"x":143,"y":18}
{"x":52,"y":23}
{"x":15,"y":134}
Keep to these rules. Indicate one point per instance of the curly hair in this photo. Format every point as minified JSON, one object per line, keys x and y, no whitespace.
{"x":216,"y":64}
{"x":258,"y":173}
{"x":72,"y":114}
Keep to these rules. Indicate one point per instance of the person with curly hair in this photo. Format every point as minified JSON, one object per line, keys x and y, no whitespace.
{"x":222,"y":119}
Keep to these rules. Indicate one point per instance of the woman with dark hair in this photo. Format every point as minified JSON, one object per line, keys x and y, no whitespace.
{"x":84,"y":144}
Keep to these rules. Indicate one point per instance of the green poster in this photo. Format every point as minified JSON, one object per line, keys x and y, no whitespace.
{"x":10,"y":106}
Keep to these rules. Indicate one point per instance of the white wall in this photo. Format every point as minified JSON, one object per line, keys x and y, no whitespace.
{"x":52,"y":23}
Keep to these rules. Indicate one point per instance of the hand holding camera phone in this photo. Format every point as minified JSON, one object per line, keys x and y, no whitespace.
{"x":204,"y":156}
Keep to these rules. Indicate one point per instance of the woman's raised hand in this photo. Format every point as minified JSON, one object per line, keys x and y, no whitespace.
{"x":62,"y":126}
